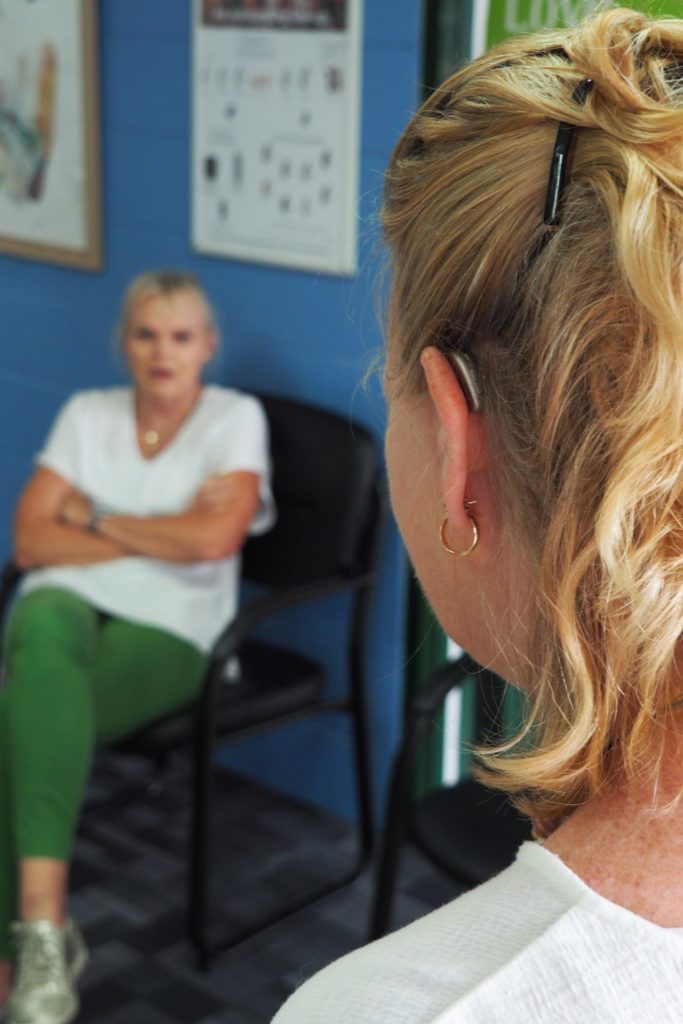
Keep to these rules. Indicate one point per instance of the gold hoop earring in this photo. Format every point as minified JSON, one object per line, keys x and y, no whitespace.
{"x":475,"y":532}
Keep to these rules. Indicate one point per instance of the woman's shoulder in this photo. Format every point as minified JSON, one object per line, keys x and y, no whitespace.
{"x":590,"y":959}
{"x":228,"y":398}
{"x":415,"y":974}
{"x":514,"y":932}
{"x":98,"y":401}
{"x":230,"y":404}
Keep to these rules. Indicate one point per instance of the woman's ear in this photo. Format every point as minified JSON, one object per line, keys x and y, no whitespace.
{"x":461,"y":431}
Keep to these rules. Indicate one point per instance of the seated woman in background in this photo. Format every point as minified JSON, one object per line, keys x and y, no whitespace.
{"x":130,"y":530}
{"x":535,"y":453}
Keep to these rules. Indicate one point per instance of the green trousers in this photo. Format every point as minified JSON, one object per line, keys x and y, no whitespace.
{"x":75,"y":679}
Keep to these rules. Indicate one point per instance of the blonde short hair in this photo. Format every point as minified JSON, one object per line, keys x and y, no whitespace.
{"x":161,"y":282}
{"x":580,"y":353}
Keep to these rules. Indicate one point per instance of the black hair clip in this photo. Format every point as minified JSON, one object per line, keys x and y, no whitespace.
{"x":558,"y":165}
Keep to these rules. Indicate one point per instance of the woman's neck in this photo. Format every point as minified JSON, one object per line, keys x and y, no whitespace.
{"x":156,"y":411}
{"x":627,"y":847}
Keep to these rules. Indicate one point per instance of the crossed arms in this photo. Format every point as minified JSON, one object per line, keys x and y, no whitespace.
{"x":52,"y":524}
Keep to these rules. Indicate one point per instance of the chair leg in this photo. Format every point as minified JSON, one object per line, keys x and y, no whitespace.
{"x":399,"y":804}
{"x":199,"y":875}
{"x":361,"y":738}
{"x":392,"y":840}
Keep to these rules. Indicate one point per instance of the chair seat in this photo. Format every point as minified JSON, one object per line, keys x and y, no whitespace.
{"x":273,"y":682}
{"x":471,"y":832}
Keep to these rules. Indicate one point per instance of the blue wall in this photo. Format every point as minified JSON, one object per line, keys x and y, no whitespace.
{"x":300,"y":334}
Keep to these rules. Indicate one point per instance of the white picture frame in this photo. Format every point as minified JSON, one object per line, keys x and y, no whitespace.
{"x":276,"y":131}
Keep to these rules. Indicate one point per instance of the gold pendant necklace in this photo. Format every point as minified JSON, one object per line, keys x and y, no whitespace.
{"x":151,"y":438}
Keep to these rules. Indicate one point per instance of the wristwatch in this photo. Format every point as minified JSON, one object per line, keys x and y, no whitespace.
{"x":98,"y":512}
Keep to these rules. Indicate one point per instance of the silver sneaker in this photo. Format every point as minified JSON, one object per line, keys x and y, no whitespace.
{"x":48,"y":962}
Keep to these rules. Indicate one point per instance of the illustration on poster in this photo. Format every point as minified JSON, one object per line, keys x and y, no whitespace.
{"x":27,"y":103}
{"x":522,"y":16}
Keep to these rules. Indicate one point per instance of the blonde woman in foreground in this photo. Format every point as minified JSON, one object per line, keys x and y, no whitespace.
{"x":534,"y":215}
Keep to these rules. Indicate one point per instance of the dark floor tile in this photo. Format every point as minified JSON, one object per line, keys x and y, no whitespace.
{"x":84,"y":874}
{"x":104,"y":929}
{"x":187,"y":1002}
{"x":139,"y":1012}
{"x":147,"y":978}
{"x":161,"y":933}
{"x":102,"y":999}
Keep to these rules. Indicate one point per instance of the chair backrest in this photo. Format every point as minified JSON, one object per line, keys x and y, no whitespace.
{"x":325,"y":482}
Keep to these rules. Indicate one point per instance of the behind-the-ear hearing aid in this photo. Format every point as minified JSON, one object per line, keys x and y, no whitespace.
{"x":463,"y":367}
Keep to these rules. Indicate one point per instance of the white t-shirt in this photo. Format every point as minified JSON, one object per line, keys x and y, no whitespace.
{"x":93,"y":445}
{"x":534,"y":945}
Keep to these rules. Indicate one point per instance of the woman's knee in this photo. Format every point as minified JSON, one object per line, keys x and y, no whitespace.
{"x":47,"y":618}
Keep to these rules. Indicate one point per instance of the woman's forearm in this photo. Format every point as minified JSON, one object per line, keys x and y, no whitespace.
{"x":56,"y":525}
{"x":215,"y":525}
{"x":189,"y":537}
{"x":43,"y":537}
{"x":48,"y":542}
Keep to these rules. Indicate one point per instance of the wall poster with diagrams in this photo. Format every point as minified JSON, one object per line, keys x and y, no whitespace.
{"x":49,"y":132}
{"x":276,"y":112}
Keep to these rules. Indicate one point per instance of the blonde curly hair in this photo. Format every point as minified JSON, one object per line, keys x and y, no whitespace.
{"x":579,"y":346}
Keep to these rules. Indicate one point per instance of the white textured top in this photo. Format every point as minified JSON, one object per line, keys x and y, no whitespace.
{"x":534,"y":945}
{"x":93,"y":445}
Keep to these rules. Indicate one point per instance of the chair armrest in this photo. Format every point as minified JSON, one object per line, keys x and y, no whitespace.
{"x":260,"y":608}
{"x":423,"y":709}
{"x":442,"y":680}
{"x":10,"y":574}
{"x":418,"y":724}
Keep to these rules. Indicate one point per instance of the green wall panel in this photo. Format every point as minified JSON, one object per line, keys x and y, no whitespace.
{"x":518,"y":17}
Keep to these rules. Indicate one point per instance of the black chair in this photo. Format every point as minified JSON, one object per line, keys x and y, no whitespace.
{"x":329,"y":499}
{"x":467,"y":830}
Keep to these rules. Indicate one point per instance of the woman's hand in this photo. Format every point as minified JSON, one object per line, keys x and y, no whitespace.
{"x":76,"y":510}
{"x":215,"y":494}
{"x":51,"y":526}
{"x":213,"y":527}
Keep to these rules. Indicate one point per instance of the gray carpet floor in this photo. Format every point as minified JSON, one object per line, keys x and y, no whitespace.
{"x":128,"y":895}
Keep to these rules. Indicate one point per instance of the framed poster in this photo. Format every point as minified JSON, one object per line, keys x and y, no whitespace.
{"x":49,"y":132}
{"x":275,"y":134}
